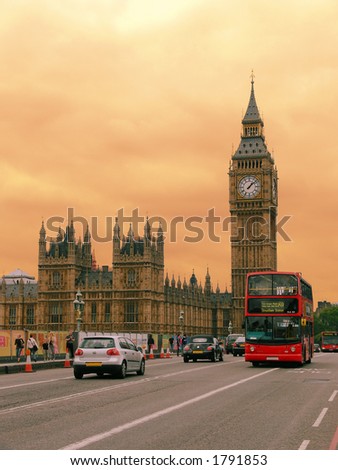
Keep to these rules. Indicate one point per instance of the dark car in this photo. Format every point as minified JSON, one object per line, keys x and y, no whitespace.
{"x":238,"y":347}
{"x":203,"y":347}
{"x":229,"y":342}
{"x":316,"y":347}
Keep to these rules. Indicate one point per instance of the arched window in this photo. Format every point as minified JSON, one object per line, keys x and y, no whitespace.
{"x":12,"y":315}
{"x":131,"y":277}
{"x":30,"y":314}
{"x":107,"y":317}
{"x":56,"y":278}
{"x":93,"y":313}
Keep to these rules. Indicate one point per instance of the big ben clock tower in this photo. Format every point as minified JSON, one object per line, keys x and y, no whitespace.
{"x":253,"y":207}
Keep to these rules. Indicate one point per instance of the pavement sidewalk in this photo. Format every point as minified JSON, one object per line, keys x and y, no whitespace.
{"x":15,"y":367}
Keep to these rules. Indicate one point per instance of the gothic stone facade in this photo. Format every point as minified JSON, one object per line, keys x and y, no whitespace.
{"x":132,"y":296}
{"x":18,"y":299}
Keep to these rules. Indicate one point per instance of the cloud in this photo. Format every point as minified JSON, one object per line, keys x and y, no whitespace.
{"x":132,"y":104}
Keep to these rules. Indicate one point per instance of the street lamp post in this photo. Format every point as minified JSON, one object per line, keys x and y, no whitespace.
{"x":230,"y":327}
{"x":78,"y":306}
{"x":181,"y":320}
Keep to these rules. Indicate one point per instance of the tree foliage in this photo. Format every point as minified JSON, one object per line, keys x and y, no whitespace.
{"x":326,"y":320}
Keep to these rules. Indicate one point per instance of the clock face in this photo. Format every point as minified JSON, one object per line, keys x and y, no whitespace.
{"x":249,"y":186}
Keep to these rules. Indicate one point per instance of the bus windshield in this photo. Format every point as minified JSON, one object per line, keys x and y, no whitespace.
{"x":263,"y":329}
{"x":330,"y":338}
{"x":273,"y":284}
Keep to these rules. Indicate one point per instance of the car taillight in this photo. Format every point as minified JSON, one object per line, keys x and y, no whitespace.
{"x":186,"y":348}
{"x":113,"y":352}
{"x":234,"y":345}
{"x":79,"y":352}
{"x":210,"y":348}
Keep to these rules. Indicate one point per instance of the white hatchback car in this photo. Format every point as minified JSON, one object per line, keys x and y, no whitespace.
{"x":111,"y":354}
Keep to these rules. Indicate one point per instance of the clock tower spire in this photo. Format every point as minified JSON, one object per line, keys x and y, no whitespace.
{"x":253,"y":207}
{"x":252,"y":123}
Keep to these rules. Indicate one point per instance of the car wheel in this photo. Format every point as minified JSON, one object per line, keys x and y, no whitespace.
{"x":255,"y":363}
{"x":185,"y":359}
{"x":142,"y":368}
{"x":195,"y":359}
{"x":235,"y":354}
{"x":123,"y":370}
{"x":213,"y":359}
{"x":78,"y":374}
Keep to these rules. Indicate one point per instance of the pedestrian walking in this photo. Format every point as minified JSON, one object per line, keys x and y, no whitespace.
{"x":51,"y":346}
{"x":19,"y":345}
{"x":32,"y":345}
{"x":184,"y":341}
{"x":70,"y":344}
{"x":171,"y":344}
{"x":151,"y":343}
{"x":45,"y":348}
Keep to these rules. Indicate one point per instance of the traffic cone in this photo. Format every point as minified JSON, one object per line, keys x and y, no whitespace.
{"x":67,"y":361}
{"x":162,"y":354}
{"x":151,"y":354}
{"x":28,"y":365}
{"x":168,"y":354}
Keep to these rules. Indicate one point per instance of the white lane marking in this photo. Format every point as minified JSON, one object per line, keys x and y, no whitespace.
{"x":320,"y":418}
{"x":124,"y":427}
{"x":71,"y":377}
{"x":35,"y":383}
{"x":103,"y":389}
{"x":304,"y":445}
{"x":333,"y":396}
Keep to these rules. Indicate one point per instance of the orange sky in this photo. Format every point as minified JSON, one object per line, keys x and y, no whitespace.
{"x":112,"y":104}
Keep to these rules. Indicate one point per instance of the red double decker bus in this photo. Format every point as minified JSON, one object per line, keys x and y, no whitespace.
{"x":278,"y":318}
{"x":329,"y":341}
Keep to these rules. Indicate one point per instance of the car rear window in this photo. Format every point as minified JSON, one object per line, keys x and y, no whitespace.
{"x":232,"y":338}
{"x":97,"y":343}
{"x":205,"y":339}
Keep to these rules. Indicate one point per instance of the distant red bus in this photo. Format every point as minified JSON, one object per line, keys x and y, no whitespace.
{"x":329,"y":341}
{"x":278,"y":318}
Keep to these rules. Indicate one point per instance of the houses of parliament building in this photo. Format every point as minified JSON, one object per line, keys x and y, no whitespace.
{"x":135,"y":294}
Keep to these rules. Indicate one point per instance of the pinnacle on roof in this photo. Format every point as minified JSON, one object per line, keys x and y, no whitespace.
{"x":116,"y":230}
{"x":42,"y":231}
{"x":87,"y":235}
{"x":193,"y":279}
{"x":252,"y":113}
